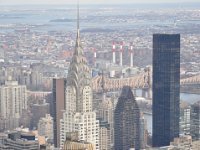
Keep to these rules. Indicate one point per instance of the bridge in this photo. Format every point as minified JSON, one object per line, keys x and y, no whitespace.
{"x":191,"y":80}
{"x":140,"y":81}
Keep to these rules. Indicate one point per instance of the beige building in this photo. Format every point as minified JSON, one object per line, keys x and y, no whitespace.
{"x":73,"y":143}
{"x":104,"y":136}
{"x":106,"y":132}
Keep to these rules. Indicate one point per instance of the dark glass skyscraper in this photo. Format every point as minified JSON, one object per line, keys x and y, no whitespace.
{"x":127,"y":122}
{"x":166,"y":88}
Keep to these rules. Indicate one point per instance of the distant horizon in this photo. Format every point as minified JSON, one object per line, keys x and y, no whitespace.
{"x":116,"y":4}
{"x":90,"y":2}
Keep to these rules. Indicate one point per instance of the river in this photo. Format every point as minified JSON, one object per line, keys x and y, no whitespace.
{"x":189,"y":98}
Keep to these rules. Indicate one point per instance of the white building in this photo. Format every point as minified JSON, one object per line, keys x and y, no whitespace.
{"x":78,"y":115}
{"x":45,"y":127}
{"x":13,"y":99}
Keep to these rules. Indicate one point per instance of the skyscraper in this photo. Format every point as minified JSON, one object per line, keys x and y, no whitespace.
{"x":166,"y":88}
{"x":58,"y":107}
{"x":127,"y":122}
{"x":79,"y":115}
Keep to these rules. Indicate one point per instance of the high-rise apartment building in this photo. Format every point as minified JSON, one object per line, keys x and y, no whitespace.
{"x":166,"y":88}
{"x":13,"y":100}
{"x":58,"y":107}
{"x":195,"y":121}
{"x":127,"y":122}
{"x":79,"y":115}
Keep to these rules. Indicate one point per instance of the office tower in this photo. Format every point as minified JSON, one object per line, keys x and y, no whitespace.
{"x":166,"y":88}
{"x":195,"y":121}
{"x":13,"y":100}
{"x":58,"y":107}
{"x":79,"y":115}
{"x":45,"y":127}
{"x":105,"y":114}
{"x":127,"y":122}
{"x":184,"y":118}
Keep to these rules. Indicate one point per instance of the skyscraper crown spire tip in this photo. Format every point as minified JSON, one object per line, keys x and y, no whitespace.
{"x":78,"y":24}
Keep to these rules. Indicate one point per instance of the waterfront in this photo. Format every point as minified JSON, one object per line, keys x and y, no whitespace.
{"x":189,"y":98}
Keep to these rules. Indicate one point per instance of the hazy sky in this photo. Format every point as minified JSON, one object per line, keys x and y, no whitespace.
{"x":89,"y":1}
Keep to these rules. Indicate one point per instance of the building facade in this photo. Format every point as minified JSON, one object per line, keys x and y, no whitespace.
{"x":45,"y":127}
{"x":127,"y":122}
{"x":106,"y":116}
{"x":19,"y":141}
{"x":13,"y":100}
{"x":58,"y":107}
{"x":73,"y":143}
{"x":195,"y":121}
{"x":184,"y":118}
{"x":166,"y":88}
{"x":79,"y":115}
{"x":104,"y":136}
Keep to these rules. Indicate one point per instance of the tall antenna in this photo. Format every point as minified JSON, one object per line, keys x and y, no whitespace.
{"x":78,"y":24}
{"x":78,"y":15}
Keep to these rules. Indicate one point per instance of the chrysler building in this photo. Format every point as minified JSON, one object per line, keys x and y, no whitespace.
{"x":78,"y":115}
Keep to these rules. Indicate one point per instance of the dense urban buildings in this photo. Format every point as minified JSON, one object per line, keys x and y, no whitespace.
{"x":127,"y":122}
{"x":166,"y":88}
{"x":37,"y":46}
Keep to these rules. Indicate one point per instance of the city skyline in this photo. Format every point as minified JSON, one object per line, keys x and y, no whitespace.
{"x":22,"y":2}
{"x":109,"y":85}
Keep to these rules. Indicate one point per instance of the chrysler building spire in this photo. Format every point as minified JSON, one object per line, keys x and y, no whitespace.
{"x":79,"y":98}
{"x":78,"y":27}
